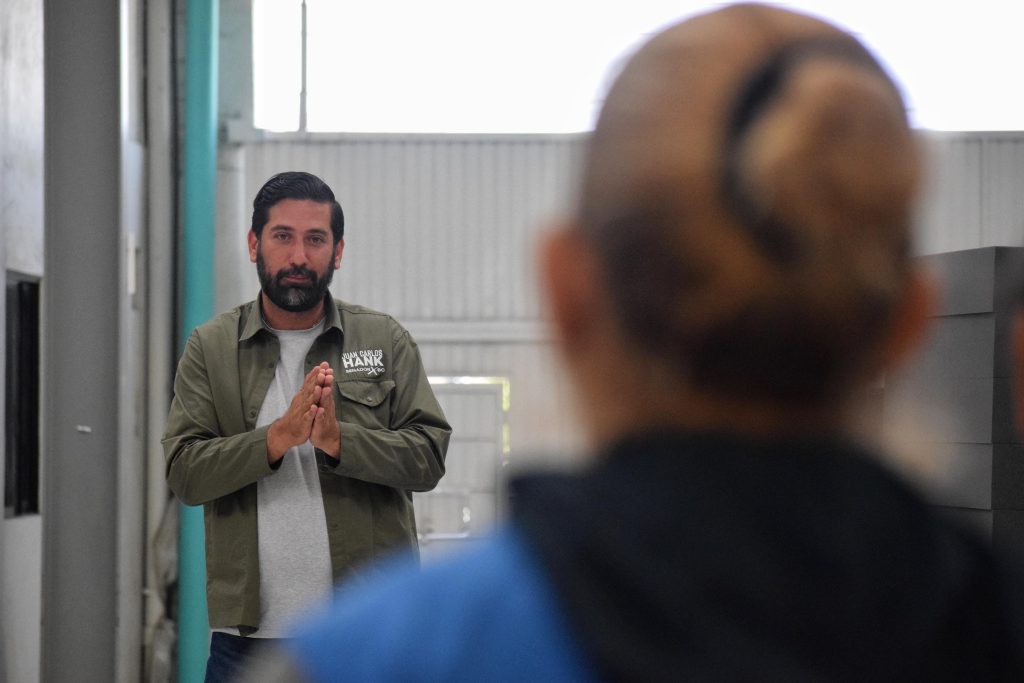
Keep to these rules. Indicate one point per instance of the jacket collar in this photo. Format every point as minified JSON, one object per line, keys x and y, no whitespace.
{"x":253,"y":319}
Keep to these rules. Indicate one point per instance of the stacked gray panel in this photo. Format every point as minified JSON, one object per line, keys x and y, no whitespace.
{"x":955,"y":402}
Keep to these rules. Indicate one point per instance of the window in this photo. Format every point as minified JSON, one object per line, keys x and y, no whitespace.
{"x":539,"y":66}
{"x":21,"y":424}
{"x":448,"y":66}
{"x":278,"y":44}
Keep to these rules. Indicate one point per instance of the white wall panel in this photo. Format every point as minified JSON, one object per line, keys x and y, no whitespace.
{"x":1002,"y":186}
{"x":442,"y":228}
{"x":973,"y":195}
{"x":21,"y":134}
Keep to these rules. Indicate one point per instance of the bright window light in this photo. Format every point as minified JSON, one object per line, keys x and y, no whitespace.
{"x":465,"y":66}
{"x":957,"y":63}
{"x":541,"y":66}
{"x":276,"y":63}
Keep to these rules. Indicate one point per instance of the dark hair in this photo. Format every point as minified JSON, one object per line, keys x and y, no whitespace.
{"x":296,"y":185}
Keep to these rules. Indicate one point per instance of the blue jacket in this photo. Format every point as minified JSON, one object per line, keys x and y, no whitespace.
{"x":484,"y":615}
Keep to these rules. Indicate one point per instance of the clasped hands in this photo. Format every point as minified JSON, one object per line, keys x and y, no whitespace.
{"x":309,"y":417}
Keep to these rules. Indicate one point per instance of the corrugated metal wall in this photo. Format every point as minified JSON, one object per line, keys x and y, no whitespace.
{"x":975,"y":194}
{"x":437,"y":229}
{"x":451,"y":219}
{"x":441,"y":230}
{"x":440,"y":233}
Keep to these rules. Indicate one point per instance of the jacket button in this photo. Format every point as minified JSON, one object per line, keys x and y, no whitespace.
{"x":252,"y":413}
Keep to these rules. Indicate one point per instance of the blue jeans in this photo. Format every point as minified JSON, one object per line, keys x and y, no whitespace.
{"x":230,"y":655}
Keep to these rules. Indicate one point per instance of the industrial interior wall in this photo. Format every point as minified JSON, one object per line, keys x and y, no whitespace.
{"x":437,"y":228}
{"x":973,"y":196}
{"x":441,"y":231}
{"x":21,"y":252}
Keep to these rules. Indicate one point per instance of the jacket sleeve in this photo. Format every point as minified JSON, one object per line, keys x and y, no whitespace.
{"x":410,"y":454}
{"x":202,"y":462}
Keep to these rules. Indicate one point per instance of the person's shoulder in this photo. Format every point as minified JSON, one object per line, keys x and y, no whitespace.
{"x":226,"y":320}
{"x":348,"y":308}
{"x":222,"y":330}
{"x":368,"y":321}
{"x":486,"y":613}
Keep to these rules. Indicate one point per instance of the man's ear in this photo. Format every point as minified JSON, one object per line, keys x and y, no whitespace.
{"x":910,"y":321}
{"x":569,"y":280}
{"x":338,"y":248}
{"x":253,"y":246}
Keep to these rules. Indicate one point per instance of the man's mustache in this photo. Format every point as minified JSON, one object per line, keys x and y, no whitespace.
{"x":298,"y":271}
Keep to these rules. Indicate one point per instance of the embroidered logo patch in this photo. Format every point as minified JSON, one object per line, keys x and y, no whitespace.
{"x":369,"y":362}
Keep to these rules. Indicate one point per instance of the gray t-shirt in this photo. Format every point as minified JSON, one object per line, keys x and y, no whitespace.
{"x":295,"y":561}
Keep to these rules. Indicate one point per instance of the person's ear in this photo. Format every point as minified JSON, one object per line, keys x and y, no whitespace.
{"x":338,"y":248}
{"x":253,"y":246}
{"x":910,"y":321}
{"x":569,"y":280}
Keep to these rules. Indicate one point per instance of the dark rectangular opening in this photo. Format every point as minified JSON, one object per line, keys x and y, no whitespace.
{"x":21,"y":406}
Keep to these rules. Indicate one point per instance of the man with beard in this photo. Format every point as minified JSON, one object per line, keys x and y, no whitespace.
{"x":302,"y":424}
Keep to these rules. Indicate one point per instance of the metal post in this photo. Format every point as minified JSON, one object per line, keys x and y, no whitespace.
{"x":199,"y":207}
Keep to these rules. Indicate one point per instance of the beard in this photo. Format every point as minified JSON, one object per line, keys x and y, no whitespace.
{"x":293,"y":298}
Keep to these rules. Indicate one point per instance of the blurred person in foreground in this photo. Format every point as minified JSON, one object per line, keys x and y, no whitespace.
{"x":736,"y":273}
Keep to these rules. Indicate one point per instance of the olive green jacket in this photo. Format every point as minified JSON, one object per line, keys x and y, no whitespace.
{"x":393,"y":441}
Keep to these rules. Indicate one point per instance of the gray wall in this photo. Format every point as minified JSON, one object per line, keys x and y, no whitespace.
{"x":21,"y":250}
{"x":952,"y":407}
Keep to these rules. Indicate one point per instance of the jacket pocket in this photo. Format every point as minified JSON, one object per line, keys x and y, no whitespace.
{"x":365,"y":403}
